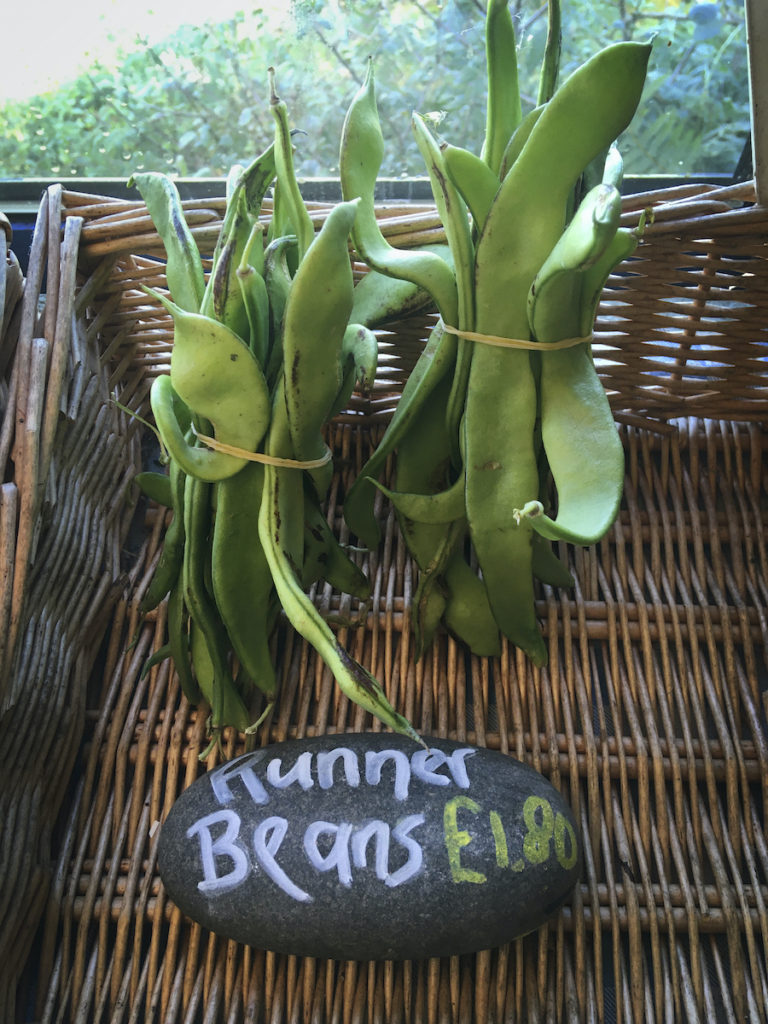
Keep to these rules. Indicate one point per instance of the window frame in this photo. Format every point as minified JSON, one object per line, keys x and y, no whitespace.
{"x":757,"y":43}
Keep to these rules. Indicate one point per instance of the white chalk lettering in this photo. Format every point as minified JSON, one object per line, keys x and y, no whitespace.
{"x":423,"y":764}
{"x":415,"y":853}
{"x":374,"y":763}
{"x":301,"y":772}
{"x":241,"y":768}
{"x":267,"y":839}
{"x":458,"y":768}
{"x":326,"y":760}
{"x":223,"y":846}
{"x":427,"y":766}
{"x":338,"y":855}
{"x":378,"y":830}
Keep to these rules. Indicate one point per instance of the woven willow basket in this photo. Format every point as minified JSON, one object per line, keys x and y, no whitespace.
{"x":650,"y":718}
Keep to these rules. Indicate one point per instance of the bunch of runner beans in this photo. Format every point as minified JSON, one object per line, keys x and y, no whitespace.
{"x":504,"y":399}
{"x":506,"y":396}
{"x":265,"y":352}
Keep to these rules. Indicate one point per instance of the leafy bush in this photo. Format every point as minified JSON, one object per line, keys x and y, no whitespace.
{"x":198,"y":102}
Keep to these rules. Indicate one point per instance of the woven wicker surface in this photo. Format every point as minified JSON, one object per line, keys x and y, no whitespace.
{"x":68,"y":458}
{"x":651,"y":717}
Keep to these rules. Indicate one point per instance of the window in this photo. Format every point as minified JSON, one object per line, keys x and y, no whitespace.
{"x":191,"y":99}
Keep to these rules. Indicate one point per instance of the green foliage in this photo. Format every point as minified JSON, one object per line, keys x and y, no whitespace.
{"x":198,"y":102}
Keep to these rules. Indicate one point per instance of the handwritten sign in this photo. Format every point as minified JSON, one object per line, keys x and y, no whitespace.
{"x":368,"y":846}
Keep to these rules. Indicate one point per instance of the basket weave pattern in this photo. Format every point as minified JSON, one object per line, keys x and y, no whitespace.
{"x":68,"y":457}
{"x":651,"y":716}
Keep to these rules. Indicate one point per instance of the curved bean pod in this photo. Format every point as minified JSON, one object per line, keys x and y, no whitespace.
{"x":474,"y":180}
{"x":278,"y":531}
{"x":156,"y":487}
{"x":192,"y":459}
{"x":216,"y":375}
{"x":379,"y":299}
{"x":184,"y":268}
{"x":362,"y":148}
{"x":431,"y":508}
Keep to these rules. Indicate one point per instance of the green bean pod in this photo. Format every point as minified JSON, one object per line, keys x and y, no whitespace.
{"x":379,"y":299}
{"x":473,"y":179}
{"x":468,"y":614}
{"x":579,"y":437}
{"x":178,"y":643}
{"x":209,"y":640}
{"x":191,"y":458}
{"x":518,"y":140}
{"x":361,"y":153}
{"x":217,"y":376}
{"x":241,"y":581}
{"x":281,"y":532}
{"x":453,"y":214}
{"x":550,"y":67}
{"x":156,"y":487}
{"x":525,"y":221}
{"x":504,"y":110}
{"x":324,"y":556}
{"x":169,"y":564}
{"x":184,"y":268}
{"x":278,"y":280}
{"x":224,"y":299}
{"x":256,"y":305}
{"x":316,"y":318}
{"x":291,"y":197}
{"x":435,"y":363}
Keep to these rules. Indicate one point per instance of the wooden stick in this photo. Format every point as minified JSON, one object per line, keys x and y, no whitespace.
{"x":26,"y":458}
{"x":53,"y":269}
{"x":9,"y":500}
{"x":62,"y":336}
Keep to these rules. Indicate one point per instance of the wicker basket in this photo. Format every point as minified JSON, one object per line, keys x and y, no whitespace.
{"x":651,"y":717}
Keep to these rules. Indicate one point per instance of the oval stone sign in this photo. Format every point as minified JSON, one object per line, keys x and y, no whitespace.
{"x":369,"y":847}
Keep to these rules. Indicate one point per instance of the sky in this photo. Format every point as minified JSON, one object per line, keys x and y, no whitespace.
{"x":59,"y":47}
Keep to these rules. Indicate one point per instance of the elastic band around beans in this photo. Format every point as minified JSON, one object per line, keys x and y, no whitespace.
{"x":267,"y":460}
{"x":493,"y":339}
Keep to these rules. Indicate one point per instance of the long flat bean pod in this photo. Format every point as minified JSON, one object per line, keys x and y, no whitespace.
{"x":525,"y":221}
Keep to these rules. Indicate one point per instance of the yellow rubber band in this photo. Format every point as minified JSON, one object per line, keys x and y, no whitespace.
{"x":525,"y":343}
{"x":267,"y":460}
